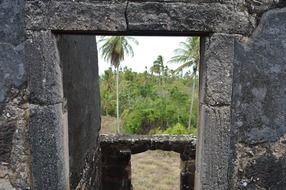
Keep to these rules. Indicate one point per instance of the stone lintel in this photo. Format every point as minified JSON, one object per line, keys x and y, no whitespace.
{"x":194,"y":17}
{"x":141,"y":143}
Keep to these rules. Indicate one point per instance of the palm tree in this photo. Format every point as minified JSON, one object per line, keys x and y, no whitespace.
{"x":188,"y":54}
{"x":158,"y":66}
{"x":113,"y":50}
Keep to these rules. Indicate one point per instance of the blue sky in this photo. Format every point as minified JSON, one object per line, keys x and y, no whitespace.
{"x":146,"y":52}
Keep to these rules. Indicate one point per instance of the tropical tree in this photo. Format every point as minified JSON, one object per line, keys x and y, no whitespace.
{"x":158,"y":66}
{"x":188,"y":54}
{"x":113,"y":49}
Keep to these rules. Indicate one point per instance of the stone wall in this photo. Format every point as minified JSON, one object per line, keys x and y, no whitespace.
{"x":242,"y":113}
{"x":259,"y":111}
{"x":117,"y":150}
{"x":78,"y":55}
{"x":15,"y":149}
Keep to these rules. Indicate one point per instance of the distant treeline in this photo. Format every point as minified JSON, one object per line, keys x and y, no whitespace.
{"x":155,"y":101}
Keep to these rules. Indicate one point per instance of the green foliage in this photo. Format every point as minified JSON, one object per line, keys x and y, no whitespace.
{"x":146,"y":105}
{"x":177,"y":129}
{"x":158,"y":101}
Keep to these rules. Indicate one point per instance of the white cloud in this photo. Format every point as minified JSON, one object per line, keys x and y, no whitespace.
{"x":146,"y":53}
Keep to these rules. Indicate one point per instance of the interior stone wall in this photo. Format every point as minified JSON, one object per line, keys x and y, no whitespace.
{"x":78,"y":55}
{"x":117,"y":150}
{"x":15,"y":149}
{"x":259,"y":107}
{"x":241,"y":140}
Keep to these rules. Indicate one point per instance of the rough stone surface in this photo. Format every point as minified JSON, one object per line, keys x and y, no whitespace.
{"x":259,"y":107}
{"x":197,"y":16}
{"x":252,"y":158}
{"x":216,"y":79}
{"x":15,"y":150}
{"x":117,"y":150}
{"x":48,"y":164}
{"x":142,"y":143}
{"x":12,"y":15}
{"x":217,"y":66}
{"x":11,"y":61}
{"x":182,"y":17}
{"x":76,"y":15}
{"x":78,"y":55}
{"x":116,"y":169}
{"x":45,"y":76}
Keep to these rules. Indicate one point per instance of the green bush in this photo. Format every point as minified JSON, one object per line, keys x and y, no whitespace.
{"x":177,"y":129}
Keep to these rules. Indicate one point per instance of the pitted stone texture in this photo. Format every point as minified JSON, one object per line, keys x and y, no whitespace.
{"x":15,"y":152}
{"x":213,"y":152}
{"x":78,"y":55}
{"x":142,"y":143}
{"x":217,"y":66}
{"x":261,"y":92}
{"x":48,"y":167}
{"x":12,"y":69}
{"x":12,"y":29}
{"x":216,"y":80}
{"x":76,"y":15}
{"x":186,"y":17}
{"x":45,"y":77}
{"x":197,"y":16}
{"x":259,"y":106}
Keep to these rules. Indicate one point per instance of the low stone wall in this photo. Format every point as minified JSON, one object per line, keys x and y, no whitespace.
{"x":117,"y":150}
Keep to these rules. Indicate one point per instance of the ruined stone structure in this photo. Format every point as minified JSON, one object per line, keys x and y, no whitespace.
{"x":116,"y":154}
{"x":46,"y":45}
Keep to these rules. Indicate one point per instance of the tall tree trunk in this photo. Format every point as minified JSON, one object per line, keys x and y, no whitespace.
{"x":117,"y":101}
{"x":192,"y":101}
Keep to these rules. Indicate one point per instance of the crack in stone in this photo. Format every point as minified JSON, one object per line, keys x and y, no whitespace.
{"x":126,"y":16}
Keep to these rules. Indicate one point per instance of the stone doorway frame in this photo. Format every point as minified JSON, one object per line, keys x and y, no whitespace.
{"x":216,"y":23}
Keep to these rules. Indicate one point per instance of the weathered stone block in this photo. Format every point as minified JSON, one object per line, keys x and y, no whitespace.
{"x":213,"y":152}
{"x":45,"y":76}
{"x":260,"y":94}
{"x":78,"y":55}
{"x":6,"y":137}
{"x":11,"y":21}
{"x":47,"y":131}
{"x":217,"y":69}
{"x":259,"y":106}
{"x":12,"y":68}
{"x":186,"y":17}
{"x":71,"y":15}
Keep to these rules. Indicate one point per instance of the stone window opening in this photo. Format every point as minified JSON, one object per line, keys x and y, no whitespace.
{"x":186,"y":165}
{"x":81,"y":94}
{"x":118,"y":150}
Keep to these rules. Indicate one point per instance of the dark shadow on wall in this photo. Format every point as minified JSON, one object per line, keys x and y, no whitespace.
{"x":78,"y":55}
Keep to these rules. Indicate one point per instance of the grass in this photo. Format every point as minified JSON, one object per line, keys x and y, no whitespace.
{"x":156,"y":170}
{"x":151,"y":170}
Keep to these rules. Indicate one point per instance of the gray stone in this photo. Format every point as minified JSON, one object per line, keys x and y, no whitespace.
{"x":117,"y":149}
{"x":78,"y":55}
{"x":261,"y":93}
{"x":48,"y":164}
{"x":259,"y":106}
{"x":45,"y":76}
{"x":186,"y":17}
{"x":142,"y":143}
{"x":6,"y":137}
{"x":12,"y":68}
{"x":12,"y":28}
{"x":217,"y":67}
{"x":15,"y":153}
{"x":71,"y":15}
{"x":213,"y":150}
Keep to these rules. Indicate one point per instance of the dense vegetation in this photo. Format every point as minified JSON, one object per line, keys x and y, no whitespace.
{"x":158,"y":100}
{"x":150,"y":103}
